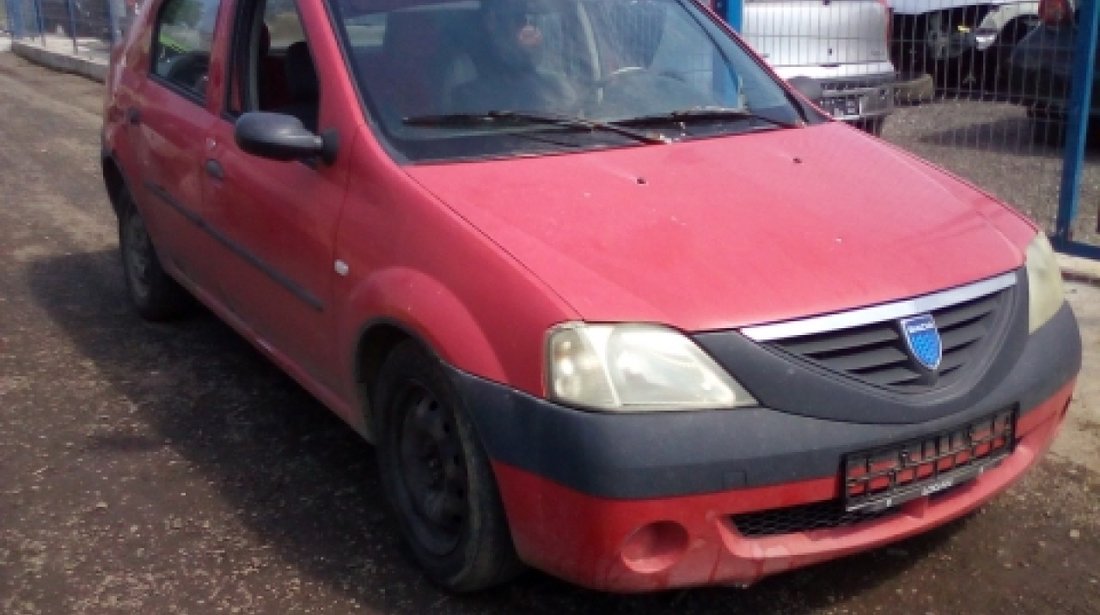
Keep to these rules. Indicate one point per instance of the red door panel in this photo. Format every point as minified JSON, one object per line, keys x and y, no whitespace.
{"x":276,"y":222}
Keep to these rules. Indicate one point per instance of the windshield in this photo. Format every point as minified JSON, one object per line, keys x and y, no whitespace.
{"x":490,"y":78}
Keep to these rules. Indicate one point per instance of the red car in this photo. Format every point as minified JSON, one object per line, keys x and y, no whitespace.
{"x":609,"y":298}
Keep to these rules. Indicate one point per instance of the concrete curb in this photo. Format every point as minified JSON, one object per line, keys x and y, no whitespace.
{"x":1076,"y":269}
{"x":85,"y":67}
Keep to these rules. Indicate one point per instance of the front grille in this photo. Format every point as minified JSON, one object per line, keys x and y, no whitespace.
{"x":794,"y":519}
{"x":876,"y":353}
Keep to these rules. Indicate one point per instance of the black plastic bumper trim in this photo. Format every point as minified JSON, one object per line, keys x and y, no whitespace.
{"x":666,"y":454}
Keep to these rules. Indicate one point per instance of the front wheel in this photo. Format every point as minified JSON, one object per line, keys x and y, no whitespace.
{"x":437,"y":477}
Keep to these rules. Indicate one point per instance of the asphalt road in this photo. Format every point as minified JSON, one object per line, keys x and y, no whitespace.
{"x":170,"y":469}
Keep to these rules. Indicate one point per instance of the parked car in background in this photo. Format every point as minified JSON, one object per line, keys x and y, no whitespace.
{"x":609,"y":298}
{"x":843,"y":45}
{"x":958,"y":41}
{"x":1040,"y":69}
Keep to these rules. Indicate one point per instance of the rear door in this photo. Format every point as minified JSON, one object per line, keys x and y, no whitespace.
{"x":170,"y":111}
{"x":817,"y":32}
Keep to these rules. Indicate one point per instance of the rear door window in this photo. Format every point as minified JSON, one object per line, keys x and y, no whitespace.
{"x":182,"y":44}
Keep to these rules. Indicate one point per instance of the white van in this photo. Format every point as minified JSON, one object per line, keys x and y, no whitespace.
{"x":843,"y":44}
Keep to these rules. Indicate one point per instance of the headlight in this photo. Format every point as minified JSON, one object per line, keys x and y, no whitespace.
{"x":1044,"y":283}
{"x":631,"y":367}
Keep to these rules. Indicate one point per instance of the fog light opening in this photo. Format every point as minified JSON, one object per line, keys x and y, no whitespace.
{"x":655,"y":547}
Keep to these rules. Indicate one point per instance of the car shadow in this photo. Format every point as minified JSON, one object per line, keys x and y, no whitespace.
{"x":306,"y":485}
{"x":1011,"y":135}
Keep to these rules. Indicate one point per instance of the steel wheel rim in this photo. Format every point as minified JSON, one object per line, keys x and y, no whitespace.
{"x":431,"y":470}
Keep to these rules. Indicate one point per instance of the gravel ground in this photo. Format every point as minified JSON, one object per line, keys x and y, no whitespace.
{"x":170,"y":469}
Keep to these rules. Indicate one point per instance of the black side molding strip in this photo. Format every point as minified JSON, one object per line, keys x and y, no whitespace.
{"x":290,"y":285}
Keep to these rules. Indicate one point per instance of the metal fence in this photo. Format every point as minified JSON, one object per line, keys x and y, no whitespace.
{"x":74,"y":20}
{"x":993,"y":90}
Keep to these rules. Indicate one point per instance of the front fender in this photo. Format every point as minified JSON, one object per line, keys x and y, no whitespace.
{"x":428,"y":310}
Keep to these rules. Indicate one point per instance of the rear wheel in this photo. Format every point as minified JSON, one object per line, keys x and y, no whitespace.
{"x":155,"y":295}
{"x":437,"y":477}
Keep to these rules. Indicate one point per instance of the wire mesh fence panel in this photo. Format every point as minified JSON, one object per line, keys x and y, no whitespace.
{"x":979,"y":87}
{"x":983,"y":91}
{"x":99,"y":20}
{"x":23,"y":18}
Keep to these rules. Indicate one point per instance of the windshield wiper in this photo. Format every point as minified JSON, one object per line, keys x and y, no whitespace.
{"x":489,"y":117}
{"x":705,"y":114}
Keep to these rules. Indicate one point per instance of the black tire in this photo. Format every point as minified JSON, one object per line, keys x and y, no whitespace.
{"x":155,"y":295}
{"x":437,"y":477}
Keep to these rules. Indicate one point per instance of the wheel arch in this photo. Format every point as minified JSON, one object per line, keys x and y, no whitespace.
{"x":398,"y":304}
{"x":376,"y":341}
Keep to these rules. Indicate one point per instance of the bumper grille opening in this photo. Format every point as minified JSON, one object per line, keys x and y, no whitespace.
{"x":876,"y":482}
{"x":817,"y":516}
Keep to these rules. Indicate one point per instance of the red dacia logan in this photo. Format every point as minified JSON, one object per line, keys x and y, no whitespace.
{"x":609,"y":298}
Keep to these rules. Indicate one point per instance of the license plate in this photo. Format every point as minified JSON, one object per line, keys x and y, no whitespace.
{"x":841,"y":106}
{"x":887,"y":476}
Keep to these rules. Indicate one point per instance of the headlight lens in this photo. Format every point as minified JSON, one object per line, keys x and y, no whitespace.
{"x":632,"y":367}
{"x":1044,"y":282}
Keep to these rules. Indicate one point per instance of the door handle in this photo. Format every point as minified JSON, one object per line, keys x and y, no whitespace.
{"x":214,"y":169}
{"x":133,"y":116}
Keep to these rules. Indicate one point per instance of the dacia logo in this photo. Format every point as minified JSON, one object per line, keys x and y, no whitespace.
{"x":922,"y":338}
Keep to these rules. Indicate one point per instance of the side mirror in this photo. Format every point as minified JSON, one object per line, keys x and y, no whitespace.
{"x":282,"y":137}
{"x":807,"y":87}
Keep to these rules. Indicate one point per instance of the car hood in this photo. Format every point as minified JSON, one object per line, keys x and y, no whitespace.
{"x":728,"y":232}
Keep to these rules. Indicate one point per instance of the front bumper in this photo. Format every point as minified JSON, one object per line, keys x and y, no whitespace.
{"x":852,"y":92}
{"x":852,"y":100}
{"x":639,"y":502}
{"x":653,"y":544}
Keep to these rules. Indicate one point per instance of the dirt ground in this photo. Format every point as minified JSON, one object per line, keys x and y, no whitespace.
{"x":170,"y":469}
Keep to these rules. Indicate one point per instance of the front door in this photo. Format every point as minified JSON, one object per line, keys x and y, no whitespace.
{"x":277,"y":220}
